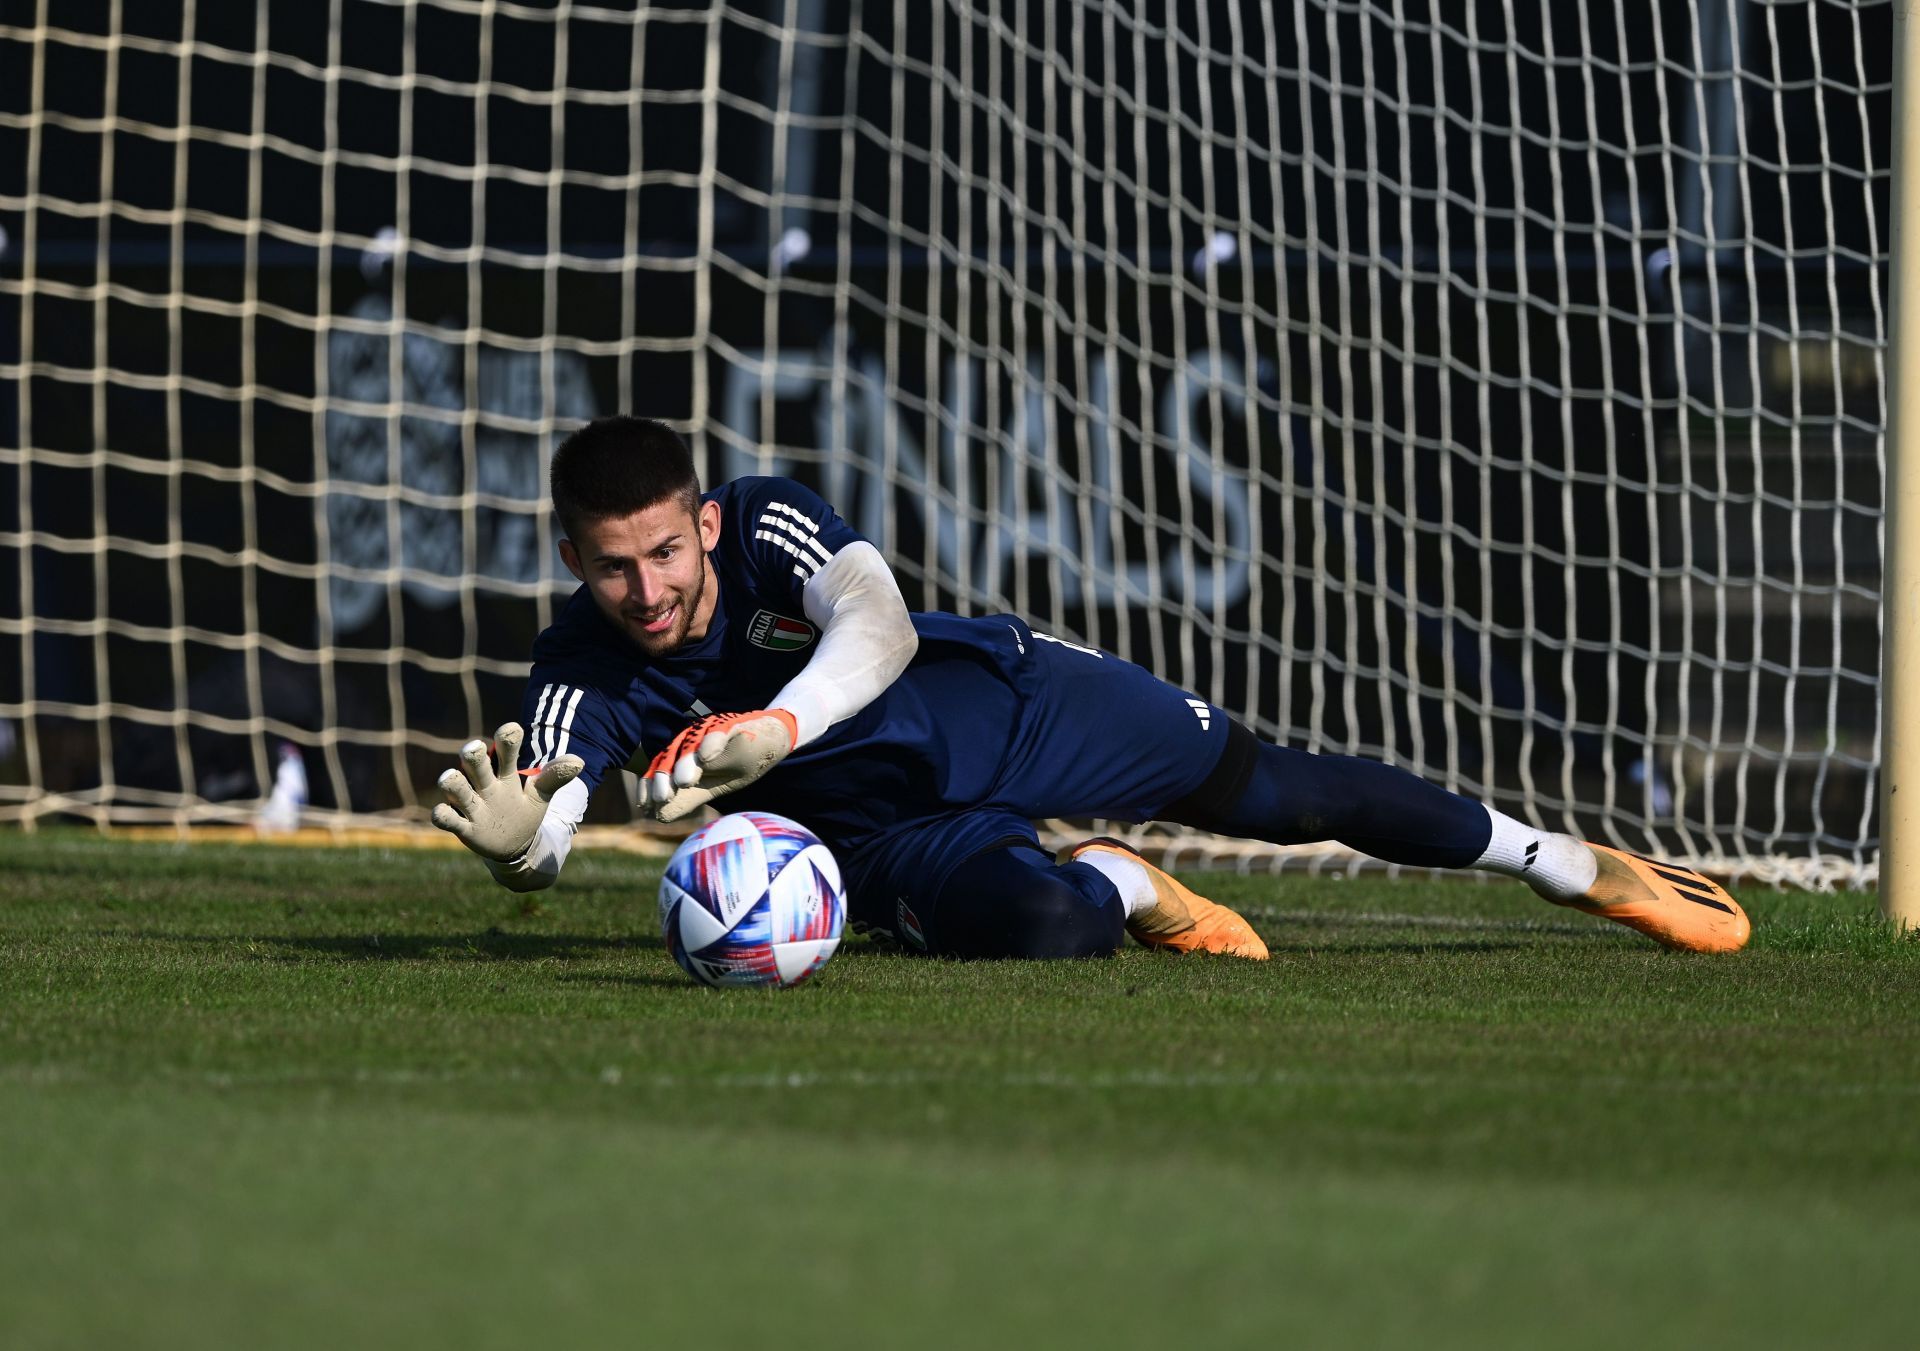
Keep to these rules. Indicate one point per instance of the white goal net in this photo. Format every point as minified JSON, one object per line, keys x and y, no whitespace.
{"x":1495,"y":389}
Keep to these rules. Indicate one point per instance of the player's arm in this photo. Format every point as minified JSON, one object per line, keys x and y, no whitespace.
{"x":866,"y":640}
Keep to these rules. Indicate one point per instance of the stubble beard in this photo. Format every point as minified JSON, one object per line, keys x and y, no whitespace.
{"x":665,"y":644}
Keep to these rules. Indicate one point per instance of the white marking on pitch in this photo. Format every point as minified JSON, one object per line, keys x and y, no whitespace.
{"x":1328,"y":919}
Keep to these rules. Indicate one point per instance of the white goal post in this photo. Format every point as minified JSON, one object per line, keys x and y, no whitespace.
{"x":1900,"y":822}
{"x":1497,"y":389}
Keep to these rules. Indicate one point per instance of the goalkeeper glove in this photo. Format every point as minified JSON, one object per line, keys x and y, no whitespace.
{"x":716,"y":755}
{"x":498,"y":815}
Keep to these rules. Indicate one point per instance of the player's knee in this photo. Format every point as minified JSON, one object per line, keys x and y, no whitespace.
{"x":1049,"y":918}
{"x":1014,"y":902}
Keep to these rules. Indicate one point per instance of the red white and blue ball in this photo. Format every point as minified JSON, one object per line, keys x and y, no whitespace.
{"x":752,"y":899}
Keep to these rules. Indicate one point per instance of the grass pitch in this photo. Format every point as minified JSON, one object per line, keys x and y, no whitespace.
{"x":258,"y":1097}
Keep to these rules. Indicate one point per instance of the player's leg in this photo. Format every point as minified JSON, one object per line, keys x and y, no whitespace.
{"x":1286,"y":796}
{"x":1261,"y":791}
{"x":1103,"y":737}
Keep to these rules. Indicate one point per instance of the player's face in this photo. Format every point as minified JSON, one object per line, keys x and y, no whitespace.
{"x":648,"y":572}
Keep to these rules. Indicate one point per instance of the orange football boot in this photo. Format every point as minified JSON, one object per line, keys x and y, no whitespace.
{"x":1181,"y":921}
{"x":1668,"y":902}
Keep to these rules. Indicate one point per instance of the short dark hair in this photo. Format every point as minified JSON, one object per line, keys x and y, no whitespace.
{"x":615,"y":466}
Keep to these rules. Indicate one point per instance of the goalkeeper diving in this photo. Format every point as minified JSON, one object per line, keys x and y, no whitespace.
{"x":746,"y":647}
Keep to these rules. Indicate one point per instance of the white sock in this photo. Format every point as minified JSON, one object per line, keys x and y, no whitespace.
{"x":1559,"y":867}
{"x":1128,"y":876}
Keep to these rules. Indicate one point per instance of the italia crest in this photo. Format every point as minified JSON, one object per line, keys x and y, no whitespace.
{"x":777,"y":633}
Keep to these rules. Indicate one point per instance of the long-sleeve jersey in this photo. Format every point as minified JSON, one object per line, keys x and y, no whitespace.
{"x":933,"y":739}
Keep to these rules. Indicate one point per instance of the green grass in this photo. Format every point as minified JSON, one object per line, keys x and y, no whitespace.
{"x":260,"y":1097}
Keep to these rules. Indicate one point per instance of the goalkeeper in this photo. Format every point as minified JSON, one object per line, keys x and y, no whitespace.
{"x":747,"y":645}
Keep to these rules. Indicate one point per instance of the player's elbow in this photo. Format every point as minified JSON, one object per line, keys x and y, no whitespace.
{"x":904,"y":645}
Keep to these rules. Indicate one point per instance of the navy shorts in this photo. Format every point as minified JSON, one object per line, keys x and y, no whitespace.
{"x":1096,"y":736}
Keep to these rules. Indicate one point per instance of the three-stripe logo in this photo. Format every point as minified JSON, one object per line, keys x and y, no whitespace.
{"x":1686,"y":883}
{"x":796,"y":533}
{"x":553,"y":721}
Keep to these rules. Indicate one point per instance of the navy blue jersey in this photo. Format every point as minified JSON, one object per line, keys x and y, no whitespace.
{"x":987,"y":716}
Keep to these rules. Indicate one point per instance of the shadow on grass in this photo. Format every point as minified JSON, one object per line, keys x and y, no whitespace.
{"x":492,"y":945}
{"x":674,"y":979}
{"x":488,"y":945}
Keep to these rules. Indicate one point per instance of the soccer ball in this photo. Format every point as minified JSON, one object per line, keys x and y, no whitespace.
{"x":752,"y":899}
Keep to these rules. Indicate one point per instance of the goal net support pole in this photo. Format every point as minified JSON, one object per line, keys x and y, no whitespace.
{"x":1900,"y":676}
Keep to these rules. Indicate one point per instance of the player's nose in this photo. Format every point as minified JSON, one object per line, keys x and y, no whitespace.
{"x":650,"y":590}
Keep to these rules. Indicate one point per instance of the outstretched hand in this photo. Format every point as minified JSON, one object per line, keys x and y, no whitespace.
{"x":497,"y":813}
{"x":716,"y":755}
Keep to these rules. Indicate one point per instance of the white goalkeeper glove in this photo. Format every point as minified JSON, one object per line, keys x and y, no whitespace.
{"x":716,"y":755}
{"x":497,"y":815}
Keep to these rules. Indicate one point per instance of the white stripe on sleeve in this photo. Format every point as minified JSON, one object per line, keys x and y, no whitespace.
{"x":786,"y":510}
{"x":539,"y":712}
{"x":808,"y":540}
{"x":807,"y":561}
{"x":550,"y":724}
{"x":566,"y":724}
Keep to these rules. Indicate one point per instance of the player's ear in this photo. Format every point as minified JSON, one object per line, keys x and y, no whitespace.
{"x":571,"y":557}
{"x":709,"y":519}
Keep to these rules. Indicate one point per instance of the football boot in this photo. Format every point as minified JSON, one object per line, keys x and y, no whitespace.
{"x":1180,"y":920}
{"x":1668,"y":902}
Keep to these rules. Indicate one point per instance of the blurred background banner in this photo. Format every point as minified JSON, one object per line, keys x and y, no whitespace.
{"x":1496,"y":393}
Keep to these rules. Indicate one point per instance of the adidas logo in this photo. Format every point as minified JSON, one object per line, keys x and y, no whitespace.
{"x":1202,"y":712}
{"x":1533,"y":852}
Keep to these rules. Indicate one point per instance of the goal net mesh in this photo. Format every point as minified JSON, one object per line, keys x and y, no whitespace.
{"x":1494,"y":389}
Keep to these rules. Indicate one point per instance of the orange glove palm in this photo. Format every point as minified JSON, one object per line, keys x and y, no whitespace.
{"x":718,"y":754}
